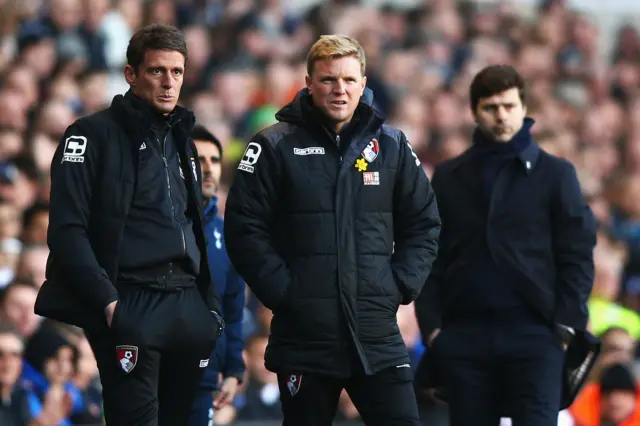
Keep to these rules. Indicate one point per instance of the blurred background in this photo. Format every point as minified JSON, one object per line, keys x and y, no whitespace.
{"x":63,"y":59}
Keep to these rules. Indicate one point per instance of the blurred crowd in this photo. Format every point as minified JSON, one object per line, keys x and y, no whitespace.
{"x":62,"y":59}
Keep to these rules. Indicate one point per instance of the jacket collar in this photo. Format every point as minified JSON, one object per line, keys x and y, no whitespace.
{"x":137,"y":116}
{"x":528,"y":157}
{"x":301,"y":109}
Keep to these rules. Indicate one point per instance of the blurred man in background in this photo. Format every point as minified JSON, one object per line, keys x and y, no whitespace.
{"x":226,"y":360}
{"x":13,"y":405}
{"x":510,"y":285}
{"x":612,"y":401}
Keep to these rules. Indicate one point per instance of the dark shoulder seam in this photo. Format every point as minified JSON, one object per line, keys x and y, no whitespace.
{"x":393,"y":132}
{"x":97,"y":119}
{"x":276,"y":133}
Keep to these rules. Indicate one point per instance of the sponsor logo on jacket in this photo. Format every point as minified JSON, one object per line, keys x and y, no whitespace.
{"x":314,"y":150}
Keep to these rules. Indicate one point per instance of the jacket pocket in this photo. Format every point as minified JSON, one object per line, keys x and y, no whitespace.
{"x":388,"y":283}
{"x":399,"y":296}
{"x":115,"y":319}
{"x":219,"y":324}
{"x":285,"y":299}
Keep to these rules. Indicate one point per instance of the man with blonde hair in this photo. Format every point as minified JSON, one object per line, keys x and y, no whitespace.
{"x":332,"y":222}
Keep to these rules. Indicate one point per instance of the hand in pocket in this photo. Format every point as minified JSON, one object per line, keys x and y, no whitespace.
{"x":109,"y":311}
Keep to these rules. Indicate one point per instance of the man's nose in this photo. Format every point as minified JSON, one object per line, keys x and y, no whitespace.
{"x":502,"y":114}
{"x":168,"y":81}
{"x":339,"y":87}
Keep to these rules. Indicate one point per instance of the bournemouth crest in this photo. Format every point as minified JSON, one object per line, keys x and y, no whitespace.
{"x":127,"y":357}
{"x":293,"y":383}
{"x":370,"y":153}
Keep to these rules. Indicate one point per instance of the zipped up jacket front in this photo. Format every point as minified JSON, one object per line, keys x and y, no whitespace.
{"x":158,"y":229}
{"x":332,"y":233}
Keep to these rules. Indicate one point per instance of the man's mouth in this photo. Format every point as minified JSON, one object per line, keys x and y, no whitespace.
{"x":338,"y":102}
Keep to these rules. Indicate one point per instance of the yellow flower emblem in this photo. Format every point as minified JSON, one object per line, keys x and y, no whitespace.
{"x":361,"y":164}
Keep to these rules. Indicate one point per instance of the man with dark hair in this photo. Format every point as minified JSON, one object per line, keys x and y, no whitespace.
{"x":16,"y":306}
{"x":128,"y":258}
{"x":19,"y":181}
{"x":227,"y":356}
{"x":509,"y":287}
{"x":35,"y":222}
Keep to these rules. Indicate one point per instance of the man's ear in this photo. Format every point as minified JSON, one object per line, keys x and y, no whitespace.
{"x":130,"y":75}
{"x":474,"y":114}
{"x":307,"y":81}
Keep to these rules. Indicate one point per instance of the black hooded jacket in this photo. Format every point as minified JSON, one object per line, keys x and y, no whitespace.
{"x":100,"y":187}
{"x":311,"y":221}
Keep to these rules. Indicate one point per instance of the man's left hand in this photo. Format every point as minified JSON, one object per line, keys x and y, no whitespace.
{"x":227,"y":392}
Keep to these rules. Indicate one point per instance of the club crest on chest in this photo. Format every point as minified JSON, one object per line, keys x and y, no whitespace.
{"x":371,"y":151}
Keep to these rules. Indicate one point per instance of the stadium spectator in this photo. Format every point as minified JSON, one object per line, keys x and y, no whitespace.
{"x":613,"y":400}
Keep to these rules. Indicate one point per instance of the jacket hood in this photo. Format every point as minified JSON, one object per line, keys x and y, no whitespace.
{"x":297,"y":111}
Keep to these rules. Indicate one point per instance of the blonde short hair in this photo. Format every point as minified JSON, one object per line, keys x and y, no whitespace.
{"x":335,"y":46}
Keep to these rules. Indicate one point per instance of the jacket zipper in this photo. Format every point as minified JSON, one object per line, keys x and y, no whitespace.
{"x":352,"y":331}
{"x":338,"y":262}
{"x":173,"y":210}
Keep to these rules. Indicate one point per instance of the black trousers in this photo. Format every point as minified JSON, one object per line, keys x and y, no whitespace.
{"x":153,"y":357}
{"x":493,"y":370}
{"x":383,"y":399}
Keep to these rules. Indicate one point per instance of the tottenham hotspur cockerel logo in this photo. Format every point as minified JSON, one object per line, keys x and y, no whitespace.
{"x":127,"y":357}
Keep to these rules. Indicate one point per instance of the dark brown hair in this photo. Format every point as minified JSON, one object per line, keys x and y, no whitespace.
{"x":495,"y":79}
{"x":155,"y":37}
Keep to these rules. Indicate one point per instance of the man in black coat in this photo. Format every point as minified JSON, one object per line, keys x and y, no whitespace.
{"x":508,"y":291}
{"x":332,"y":223}
{"x":128,"y":260}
